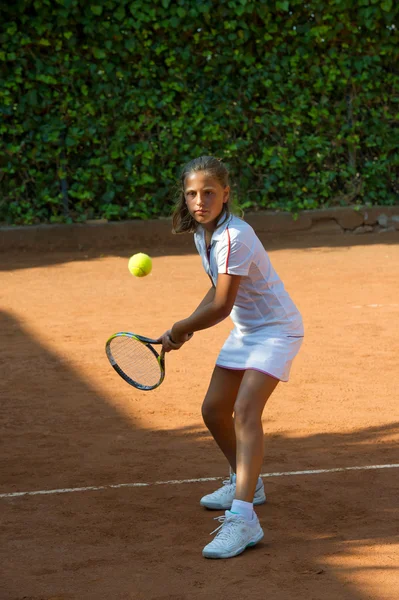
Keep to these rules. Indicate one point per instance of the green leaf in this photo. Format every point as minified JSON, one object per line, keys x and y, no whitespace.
{"x":120,"y":13}
{"x":98,"y":53}
{"x":96,"y":9}
{"x":12,"y":29}
{"x":283,"y":5}
{"x":386,"y":5}
{"x":46,"y":78}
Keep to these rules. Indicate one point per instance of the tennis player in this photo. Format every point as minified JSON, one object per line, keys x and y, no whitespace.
{"x":258,"y":353}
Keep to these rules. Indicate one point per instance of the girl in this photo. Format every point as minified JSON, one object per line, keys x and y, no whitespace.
{"x":258,"y":353}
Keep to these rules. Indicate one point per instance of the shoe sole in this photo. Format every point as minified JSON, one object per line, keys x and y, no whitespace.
{"x":216,"y":506}
{"x":206,"y":554}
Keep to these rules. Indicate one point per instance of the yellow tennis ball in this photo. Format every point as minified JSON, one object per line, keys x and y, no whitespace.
{"x":140,"y":265}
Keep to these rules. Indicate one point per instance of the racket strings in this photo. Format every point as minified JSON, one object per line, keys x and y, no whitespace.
{"x":136,"y":360}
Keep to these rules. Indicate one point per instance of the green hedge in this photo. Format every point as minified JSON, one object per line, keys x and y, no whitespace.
{"x":102,"y":101}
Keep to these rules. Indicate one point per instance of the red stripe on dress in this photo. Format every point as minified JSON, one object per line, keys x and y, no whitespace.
{"x":228,"y":250}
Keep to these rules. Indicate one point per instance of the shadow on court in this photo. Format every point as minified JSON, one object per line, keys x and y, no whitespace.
{"x":163,"y":243}
{"x":327,"y":536}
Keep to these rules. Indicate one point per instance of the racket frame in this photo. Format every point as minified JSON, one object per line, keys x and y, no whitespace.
{"x":146,"y":342}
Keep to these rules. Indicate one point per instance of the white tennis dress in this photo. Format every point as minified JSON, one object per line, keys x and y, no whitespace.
{"x":268,"y":329}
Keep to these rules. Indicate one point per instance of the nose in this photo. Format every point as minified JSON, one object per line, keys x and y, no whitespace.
{"x":200,"y":200}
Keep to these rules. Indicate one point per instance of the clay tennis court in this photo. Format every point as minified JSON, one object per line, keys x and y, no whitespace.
{"x":71,"y":425}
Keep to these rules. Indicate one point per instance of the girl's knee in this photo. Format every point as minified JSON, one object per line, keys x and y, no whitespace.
{"x":206,"y":412}
{"x":213,"y":412}
{"x":246,"y":415}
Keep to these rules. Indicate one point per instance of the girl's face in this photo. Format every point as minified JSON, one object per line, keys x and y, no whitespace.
{"x":205,"y":198}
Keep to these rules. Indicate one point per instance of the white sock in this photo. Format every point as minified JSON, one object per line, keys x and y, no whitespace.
{"x":246,"y":509}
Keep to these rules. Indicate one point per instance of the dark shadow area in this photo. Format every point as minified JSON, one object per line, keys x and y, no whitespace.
{"x":58,"y":431}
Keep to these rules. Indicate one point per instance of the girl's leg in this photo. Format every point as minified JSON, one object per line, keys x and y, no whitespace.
{"x":254,"y":391}
{"x":217,"y":410}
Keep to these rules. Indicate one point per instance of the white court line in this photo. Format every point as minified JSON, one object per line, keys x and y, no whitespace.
{"x":180,"y":481}
{"x":372,"y":305}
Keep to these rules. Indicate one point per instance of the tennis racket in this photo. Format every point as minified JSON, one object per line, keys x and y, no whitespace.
{"x":135,"y":359}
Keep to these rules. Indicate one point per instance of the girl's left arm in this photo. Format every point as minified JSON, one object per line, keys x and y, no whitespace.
{"x":214,"y":312}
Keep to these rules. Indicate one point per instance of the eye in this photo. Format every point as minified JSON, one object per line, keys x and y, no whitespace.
{"x":190,"y":194}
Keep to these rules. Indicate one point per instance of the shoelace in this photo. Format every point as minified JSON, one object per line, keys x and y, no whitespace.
{"x":227,"y":530}
{"x":227,"y":483}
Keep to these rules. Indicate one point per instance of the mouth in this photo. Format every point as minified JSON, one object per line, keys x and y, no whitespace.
{"x":200,"y":212}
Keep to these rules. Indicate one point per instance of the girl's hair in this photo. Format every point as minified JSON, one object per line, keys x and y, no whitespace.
{"x":182,"y":221}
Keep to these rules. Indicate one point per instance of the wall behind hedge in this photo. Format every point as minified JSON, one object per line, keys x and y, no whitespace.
{"x":102,"y":101}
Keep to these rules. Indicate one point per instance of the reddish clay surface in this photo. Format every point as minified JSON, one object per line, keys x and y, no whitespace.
{"x":68,"y":421}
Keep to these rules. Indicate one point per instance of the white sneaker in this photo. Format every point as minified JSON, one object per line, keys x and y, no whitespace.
{"x":234,"y":535}
{"x":222,"y":499}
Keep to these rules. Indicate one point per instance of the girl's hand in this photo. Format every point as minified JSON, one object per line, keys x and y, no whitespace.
{"x":167,"y":344}
{"x":179,"y":338}
{"x":170,"y":343}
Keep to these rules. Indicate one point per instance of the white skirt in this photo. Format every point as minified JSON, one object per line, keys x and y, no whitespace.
{"x":271,"y":353}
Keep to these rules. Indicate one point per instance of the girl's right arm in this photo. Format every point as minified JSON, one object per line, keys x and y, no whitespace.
{"x":208,"y":298}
